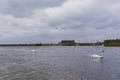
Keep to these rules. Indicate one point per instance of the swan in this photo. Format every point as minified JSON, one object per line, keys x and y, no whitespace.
{"x":33,"y":50}
{"x":98,"y":55}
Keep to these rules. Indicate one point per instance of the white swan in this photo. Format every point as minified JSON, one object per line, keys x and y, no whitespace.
{"x":98,"y":55}
{"x":33,"y":50}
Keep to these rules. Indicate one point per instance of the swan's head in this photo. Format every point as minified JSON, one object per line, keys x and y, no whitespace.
{"x":101,"y":50}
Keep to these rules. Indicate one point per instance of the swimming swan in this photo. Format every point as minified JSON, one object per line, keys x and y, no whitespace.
{"x":98,"y":55}
{"x":33,"y":50}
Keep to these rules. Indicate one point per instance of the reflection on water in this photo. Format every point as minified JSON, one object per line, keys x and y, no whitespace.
{"x":99,"y":60}
{"x":58,"y":63}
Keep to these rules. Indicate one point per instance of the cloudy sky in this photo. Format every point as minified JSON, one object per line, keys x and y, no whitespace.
{"x":35,"y":21}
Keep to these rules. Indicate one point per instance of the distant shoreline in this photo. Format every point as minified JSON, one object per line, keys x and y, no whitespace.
{"x":82,"y":44}
{"x":106,"y":43}
{"x":19,"y":45}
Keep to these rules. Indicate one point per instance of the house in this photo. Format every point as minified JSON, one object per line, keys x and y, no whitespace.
{"x":68,"y":43}
{"x":85,"y":44}
{"x":112,"y":42}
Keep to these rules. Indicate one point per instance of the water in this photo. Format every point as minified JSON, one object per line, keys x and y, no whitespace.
{"x":59,"y":63}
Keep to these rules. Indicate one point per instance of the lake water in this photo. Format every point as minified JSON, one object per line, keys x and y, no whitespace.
{"x":59,"y":63}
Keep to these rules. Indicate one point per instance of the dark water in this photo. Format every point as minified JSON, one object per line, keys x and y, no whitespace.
{"x":59,"y":63}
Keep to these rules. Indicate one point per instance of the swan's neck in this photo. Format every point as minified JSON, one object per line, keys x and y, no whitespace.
{"x":101,"y":53}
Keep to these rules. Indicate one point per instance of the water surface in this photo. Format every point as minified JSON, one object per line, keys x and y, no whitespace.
{"x":59,"y":63}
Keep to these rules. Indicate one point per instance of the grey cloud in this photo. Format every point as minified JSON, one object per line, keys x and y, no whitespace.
{"x":97,"y":17}
{"x":21,"y":8}
{"x":89,"y":20}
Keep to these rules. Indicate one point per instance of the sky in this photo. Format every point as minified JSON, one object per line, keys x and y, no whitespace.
{"x":49,"y":21}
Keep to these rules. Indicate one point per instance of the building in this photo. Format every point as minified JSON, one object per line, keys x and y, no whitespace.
{"x":85,"y":44}
{"x":112,"y":42}
{"x":68,"y":43}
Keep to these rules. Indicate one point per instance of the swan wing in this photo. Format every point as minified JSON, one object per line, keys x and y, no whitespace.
{"x":96,"y":56}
